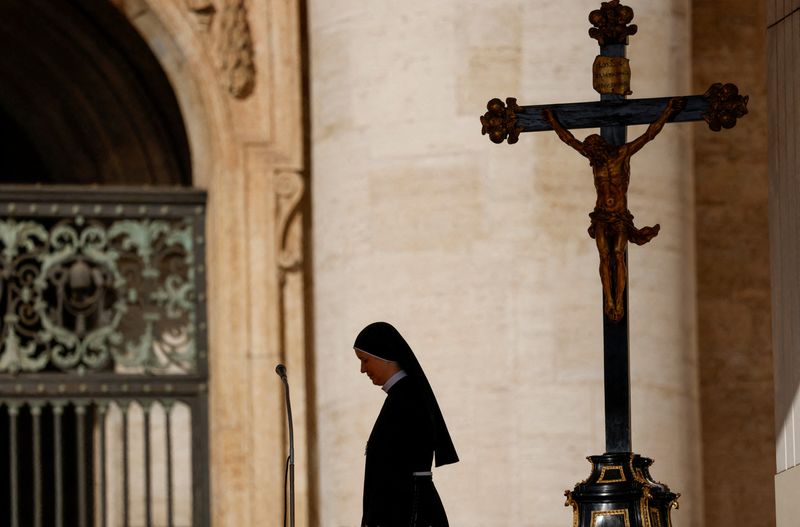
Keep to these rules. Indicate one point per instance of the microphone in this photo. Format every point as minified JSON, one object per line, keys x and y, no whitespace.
{"x":280,"y":369}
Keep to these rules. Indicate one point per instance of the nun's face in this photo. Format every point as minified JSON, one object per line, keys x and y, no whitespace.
{"x":378,"y":370}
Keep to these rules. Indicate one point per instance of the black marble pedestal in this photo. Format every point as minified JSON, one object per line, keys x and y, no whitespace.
{"x":621,"y":493}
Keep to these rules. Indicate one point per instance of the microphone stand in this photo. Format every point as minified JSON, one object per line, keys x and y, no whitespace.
{"x":280,"y":369}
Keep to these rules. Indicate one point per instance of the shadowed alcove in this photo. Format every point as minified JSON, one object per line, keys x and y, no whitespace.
{"x":84,"y":100}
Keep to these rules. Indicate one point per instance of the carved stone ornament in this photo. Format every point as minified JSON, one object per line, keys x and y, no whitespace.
{"x":235,"y":49}
{"x":500,"y":122}
{"x":204,"y":11}
{"x":725,"y":105}
{"x":289,"y":190}
{"x":611,"y":23}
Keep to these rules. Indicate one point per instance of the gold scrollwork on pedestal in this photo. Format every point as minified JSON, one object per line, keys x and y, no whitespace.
{"x":655,"y":517}
{"x":571,"y":503}
{"x":644,"y":507}
{"x":598,"y":515}
{"x":620,"y":476}
{"x":500,"y":122}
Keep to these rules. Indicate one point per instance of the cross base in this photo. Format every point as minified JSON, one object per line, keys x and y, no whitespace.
{"x":621,"y":493}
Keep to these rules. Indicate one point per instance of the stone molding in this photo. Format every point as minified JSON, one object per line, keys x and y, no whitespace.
{"x":289,"y":191}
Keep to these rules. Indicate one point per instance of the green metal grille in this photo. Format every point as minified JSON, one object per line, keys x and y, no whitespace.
{"x":102,"y":293}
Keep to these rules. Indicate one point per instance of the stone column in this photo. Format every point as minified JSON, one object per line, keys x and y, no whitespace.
{"x":479,"y":254}
{"x":783,"y":27}
{"x":733,"y":270}
{"x":236,"y":70}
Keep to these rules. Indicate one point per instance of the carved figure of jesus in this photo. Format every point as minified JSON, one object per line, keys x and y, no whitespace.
{"x":611,"y":221}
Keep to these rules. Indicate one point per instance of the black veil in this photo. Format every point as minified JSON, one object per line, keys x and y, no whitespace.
{"x":383,"y":340}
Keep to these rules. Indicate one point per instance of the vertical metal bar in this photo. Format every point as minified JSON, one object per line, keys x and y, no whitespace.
{"x":102,"y":408}
{"x":147,"y":497}
{"x":168,"y":419}
{"x":200,"y":478}
{"x":123,"y":406}
{"x":80,"y":438}
{"x":58,"y":469}
{"x":38,"y":506}
{"x":13,"y":450}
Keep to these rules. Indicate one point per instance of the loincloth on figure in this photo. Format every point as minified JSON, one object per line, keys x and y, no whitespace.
{"x":622,"y":222}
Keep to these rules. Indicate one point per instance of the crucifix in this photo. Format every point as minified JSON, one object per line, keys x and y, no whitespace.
{"x":620,"y":488}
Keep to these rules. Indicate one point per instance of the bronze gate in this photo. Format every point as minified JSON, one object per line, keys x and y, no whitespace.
{"x":103,"y":357}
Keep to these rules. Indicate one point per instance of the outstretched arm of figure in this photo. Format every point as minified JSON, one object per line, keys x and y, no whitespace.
{"x":564,"y":134}
{"x":674,"y":106}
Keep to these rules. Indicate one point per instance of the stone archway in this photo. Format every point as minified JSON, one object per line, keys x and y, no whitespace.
{"x":236,"y":68}
{"x":205,"y":93}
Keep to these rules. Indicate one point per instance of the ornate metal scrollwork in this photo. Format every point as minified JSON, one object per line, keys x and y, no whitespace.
{"x":725,"y":105}
{"x":611,"y":23}
{"x":84,"y":293}
{"x":500,"y":122}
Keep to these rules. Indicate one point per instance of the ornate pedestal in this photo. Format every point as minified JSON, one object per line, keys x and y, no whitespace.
{"x":621,"y":493}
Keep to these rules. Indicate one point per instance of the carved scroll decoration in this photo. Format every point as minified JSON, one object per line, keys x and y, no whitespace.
{"x":289,"y":191}
{"x":500,"y":122}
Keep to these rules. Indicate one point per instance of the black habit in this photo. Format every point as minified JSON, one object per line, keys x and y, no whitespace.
{"x":407,"y":433}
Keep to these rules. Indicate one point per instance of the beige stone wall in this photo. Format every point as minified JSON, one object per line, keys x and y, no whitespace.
{"x":237,"y":78}
{"x":733,"y":272}
{"x":783,"y":19}
{"x":787,"y":507}
{"x":479,"y":252}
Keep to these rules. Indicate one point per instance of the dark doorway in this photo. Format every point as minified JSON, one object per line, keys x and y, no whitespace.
{"x":84,"y":99}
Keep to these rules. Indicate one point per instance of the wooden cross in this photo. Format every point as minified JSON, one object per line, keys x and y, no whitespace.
{"x":609,"y":155}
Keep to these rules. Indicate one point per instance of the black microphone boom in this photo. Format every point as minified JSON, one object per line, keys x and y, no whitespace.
{"x":280,"y":369}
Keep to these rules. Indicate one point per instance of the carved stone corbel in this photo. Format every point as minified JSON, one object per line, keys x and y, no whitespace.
{"x":289,"y":191}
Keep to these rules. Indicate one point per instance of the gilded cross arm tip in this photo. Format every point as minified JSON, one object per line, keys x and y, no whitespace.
{"x":500,"y":122}
{"x":725,"y":106}
{"x":611,"y":23}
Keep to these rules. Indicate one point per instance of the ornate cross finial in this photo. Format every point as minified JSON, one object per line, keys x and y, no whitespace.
{"x":500,"y":122}
{"x":611,"y":23}
{"x":725,"y":105}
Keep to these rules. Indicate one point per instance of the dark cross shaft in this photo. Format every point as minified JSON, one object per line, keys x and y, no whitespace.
{"x":720,"y":106}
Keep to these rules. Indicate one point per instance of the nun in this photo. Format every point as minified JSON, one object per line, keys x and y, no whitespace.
{"x":408,"y":435}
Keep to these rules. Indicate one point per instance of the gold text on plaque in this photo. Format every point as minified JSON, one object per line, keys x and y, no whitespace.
{"x":611,"y":75}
